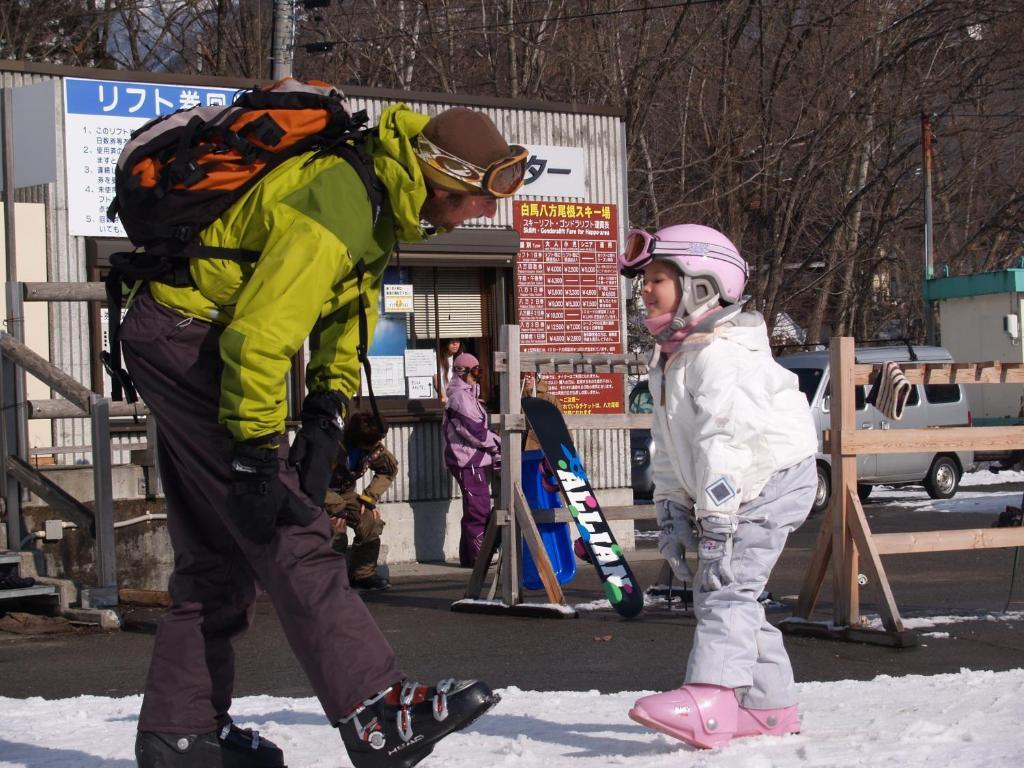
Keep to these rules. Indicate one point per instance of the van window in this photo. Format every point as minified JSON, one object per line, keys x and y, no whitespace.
{"x":942,"y":393}
{"x":860,"y":398}
{"x":809,"y":379}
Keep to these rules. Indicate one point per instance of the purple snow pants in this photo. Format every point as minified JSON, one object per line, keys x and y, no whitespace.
{"x":476,"y":509}
{"x":175,"y":363}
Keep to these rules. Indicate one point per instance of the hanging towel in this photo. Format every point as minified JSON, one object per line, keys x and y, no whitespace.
{"x":890,"y":391}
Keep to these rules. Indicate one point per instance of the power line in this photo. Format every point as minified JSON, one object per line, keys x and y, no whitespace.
{"x":505,"y":24}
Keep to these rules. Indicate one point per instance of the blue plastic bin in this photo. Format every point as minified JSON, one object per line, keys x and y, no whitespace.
{"x":556,"y":537}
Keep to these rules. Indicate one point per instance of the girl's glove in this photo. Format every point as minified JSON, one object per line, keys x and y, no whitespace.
{"x":675,"y":532}
{"x":716,"y":532}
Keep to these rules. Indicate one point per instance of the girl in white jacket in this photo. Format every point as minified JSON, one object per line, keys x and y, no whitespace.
{"x":734,"y":475}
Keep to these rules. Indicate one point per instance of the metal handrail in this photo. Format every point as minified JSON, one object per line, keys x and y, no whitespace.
{"x":81,"y":401}
{"x":46,"y":372}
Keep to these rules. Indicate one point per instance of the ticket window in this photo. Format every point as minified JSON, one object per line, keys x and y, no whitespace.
{"x":448,"y":303}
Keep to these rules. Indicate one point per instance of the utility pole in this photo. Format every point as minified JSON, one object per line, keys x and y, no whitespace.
{"x":282,"y":50}
{"x":929,"y":258}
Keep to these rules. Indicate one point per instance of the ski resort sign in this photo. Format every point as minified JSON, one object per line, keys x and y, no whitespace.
{"x":567,"y":294}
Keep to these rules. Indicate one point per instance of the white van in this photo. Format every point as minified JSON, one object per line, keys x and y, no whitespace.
{"x":929,"y":405}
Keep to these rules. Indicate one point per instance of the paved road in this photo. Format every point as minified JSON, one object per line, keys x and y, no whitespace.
{"x":598,"y":650}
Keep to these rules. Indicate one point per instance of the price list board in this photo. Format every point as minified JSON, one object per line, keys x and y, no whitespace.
{"x":567,"y":295}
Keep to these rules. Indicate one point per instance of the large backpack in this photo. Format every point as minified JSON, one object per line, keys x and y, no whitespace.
{"x":179,"y":173}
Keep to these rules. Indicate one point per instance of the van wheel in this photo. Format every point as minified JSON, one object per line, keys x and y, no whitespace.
{"x":863,"y":491}
{"x":824,"y":490}
{"x":943,"y":478}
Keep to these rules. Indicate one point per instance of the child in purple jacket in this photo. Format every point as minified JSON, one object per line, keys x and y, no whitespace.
{"x":470,"y":447}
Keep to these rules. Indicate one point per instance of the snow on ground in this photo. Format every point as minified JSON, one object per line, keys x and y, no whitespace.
{"x":965,"y":719}
{"x":985,"y":477}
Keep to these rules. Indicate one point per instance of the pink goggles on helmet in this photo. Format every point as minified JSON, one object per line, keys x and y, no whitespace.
{"x":642,"y":248}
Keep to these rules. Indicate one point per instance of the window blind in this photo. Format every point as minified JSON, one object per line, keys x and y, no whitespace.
{"x":458,"y":312}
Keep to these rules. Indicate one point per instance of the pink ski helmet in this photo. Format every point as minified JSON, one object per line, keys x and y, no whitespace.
{"x":695,"y":250}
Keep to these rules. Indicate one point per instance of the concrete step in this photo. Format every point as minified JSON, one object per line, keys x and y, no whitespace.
{"x":40,"y":590}
{"x":9,"y":558}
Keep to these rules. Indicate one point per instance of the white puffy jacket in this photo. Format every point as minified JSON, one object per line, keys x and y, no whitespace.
{"x":726,"y":418}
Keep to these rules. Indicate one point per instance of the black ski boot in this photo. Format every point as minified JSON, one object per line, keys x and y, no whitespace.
{"x":400,"y":726}
{"x":372,"y":583}
{"x":230,"y":747}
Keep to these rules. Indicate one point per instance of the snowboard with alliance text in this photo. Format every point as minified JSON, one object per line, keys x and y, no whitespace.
{"x":556,"y":443}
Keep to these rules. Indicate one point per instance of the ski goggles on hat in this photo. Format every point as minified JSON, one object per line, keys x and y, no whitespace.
{"x":642,"y":247}
{"x":499,"y":179}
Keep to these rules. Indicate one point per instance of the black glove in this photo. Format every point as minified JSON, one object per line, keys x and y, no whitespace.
{"x":315,"y":450}
{"x":258,"y":501}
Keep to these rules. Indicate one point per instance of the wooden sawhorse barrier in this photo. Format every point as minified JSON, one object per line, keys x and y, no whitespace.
{"x":845,"y":537}
{"x":512,"y":521}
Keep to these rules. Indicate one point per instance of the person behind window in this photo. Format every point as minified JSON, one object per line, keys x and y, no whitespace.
{"x":534,"y":385}
{"x":362,"y":449}
{"x":450,"y":348}
{"x":470,"y":447}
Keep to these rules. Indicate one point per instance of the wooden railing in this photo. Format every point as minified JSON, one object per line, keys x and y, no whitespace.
{"x":846,"y":540}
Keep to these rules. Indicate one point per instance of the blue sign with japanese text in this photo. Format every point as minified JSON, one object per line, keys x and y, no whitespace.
{"x":147,"y":100}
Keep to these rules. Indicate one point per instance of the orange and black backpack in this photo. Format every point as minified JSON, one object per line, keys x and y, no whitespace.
{"x":178,"y":173}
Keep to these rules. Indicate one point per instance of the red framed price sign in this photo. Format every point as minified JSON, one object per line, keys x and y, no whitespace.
{"x":567,"y":295}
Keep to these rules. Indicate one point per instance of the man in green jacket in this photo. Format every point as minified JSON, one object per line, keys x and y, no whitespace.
{"x":211,"y":360}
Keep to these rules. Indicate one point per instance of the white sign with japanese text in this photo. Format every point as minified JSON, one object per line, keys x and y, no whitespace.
{"x":99,"y":117}
{"x":555,"y":172}
{"x":397,"y":297}
{"x":388,"y":375}
{"x":420,"y":362}
{"x":421,"y":387}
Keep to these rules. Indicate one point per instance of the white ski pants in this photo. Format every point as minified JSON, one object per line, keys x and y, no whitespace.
{"x":735,"y":646}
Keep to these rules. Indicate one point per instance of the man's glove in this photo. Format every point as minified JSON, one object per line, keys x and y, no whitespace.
{"x":675,"y":532}
{"x":258,"y":501}
{"x":315,"y":450}
{"x":716,"y":533}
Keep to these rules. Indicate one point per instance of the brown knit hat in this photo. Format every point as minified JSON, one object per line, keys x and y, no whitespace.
{"x":468,"y":135}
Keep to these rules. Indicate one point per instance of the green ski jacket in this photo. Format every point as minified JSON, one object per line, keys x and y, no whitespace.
{"x":311,"y":224}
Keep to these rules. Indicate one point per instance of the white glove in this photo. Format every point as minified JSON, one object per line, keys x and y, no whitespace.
{"x":715,"y":553}
{"x":676,"y":531}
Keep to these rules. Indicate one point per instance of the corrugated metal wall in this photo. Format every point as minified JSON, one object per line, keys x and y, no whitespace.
{"x":605,"y":452}
{"x":69,"y":324}
{"x":422,"y":475}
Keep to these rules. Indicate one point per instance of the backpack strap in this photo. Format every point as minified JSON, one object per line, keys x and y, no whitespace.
{"x":351,"y":146}
{"x":121,"y":385}
{"x":361,"y":348}
{"x":362,"y":162}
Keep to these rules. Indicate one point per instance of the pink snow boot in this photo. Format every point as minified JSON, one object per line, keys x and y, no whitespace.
{"x":704,"y":716}
{"x":770,"y":722}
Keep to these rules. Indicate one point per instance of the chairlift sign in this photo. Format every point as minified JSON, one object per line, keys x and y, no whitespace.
{"x":99,"y":118}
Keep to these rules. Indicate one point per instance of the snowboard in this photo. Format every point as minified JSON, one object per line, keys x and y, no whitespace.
{"x":617,"y":578}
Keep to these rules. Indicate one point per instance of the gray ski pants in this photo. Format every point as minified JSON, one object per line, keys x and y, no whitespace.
{"x":735,"y":646}
{"x":175,"y":363}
